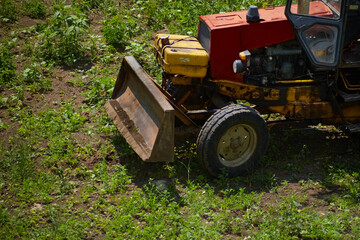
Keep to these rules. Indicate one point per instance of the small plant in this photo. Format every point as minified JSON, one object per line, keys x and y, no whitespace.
{"x":7,"y":66}
{"x":137,"y":50}
{"x":21,"y":166}
{"x":100,"y":90}
{"x":31,"y":73}
{"x":71,"y":118}
{"x":63,"y":40}
{"x":350,"y":183}
{"x":3,"y":126}
{"x":8,"y":11}
{"x":35,"y":8}
{"x":88,"y":5}
{"x":35,"y":79}
{"x":118,"y":32}
{"x":20,"y":94}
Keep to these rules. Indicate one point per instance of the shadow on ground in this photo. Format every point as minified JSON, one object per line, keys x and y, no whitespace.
{"x":295,"y":153}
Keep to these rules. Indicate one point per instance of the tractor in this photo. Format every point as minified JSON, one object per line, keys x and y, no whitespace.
{"x":301,"y":61}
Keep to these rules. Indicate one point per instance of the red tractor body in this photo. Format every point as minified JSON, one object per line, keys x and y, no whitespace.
{"x":231,"y":34}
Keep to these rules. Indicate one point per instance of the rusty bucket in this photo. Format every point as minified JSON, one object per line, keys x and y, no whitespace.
{"x":142,"y":113}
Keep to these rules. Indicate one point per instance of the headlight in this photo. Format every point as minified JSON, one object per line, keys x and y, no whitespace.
{"x":238,"y":67}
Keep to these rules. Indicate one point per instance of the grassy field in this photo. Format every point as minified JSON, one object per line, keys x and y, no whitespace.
{"x":66,"y":173}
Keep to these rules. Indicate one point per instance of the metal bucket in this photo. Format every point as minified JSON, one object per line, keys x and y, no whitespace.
{"x":142,"y":113}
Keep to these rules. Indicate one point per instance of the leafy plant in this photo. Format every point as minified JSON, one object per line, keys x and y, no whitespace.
{"x":349,"y":182}
{"x":34,"y":77}
{"x":63,"y":40}
{"x":291,"y":220}
{"x":7,"y":66}
{"x":35,"y":8}
{"x":3,"y":126}
{"x":92,"y":4}
{"x":8,"y":11}
{"x":31,"y":73}
{"x":118,"y":31}
{"x":100,"y":90}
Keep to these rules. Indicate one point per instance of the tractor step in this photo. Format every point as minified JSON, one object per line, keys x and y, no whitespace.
{"x":350,"y":97}
{"x":353,"y":128}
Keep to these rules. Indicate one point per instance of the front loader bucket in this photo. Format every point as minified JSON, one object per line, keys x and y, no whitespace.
{"x":142,"y":113}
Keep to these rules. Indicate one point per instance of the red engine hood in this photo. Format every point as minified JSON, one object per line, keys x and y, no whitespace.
{"x":231,"y":34}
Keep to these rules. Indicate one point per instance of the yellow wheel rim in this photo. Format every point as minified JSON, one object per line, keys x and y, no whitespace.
{"x":237,"y":145}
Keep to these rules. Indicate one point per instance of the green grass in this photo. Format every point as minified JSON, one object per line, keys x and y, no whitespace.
{"x":67,"y":173}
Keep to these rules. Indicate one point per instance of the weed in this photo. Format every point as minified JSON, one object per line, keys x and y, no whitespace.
{"x":119,"y":179}
{"x":7,"y":66}
{"x":53,"y":128}
{"x":20,"y":95}
{"x":71,"y":118}
{"x":349,"y":182}
{"x":140,"y":52}
{"x":136,"y":49}
{"x":8,"y":11}
{"x":27,"y":48}
{"x":63,"y":40}
{"x":17,"y":163}
{"x":61,"y":225}
{"x":35,"y":8}
{"x":179,"y":16}
{"x":123,"y":148}
{"x":3,"y":126}
{"x":87,"y":5}
{"x":32,"y":73}
{"x":100,"y":90}
{"x":291,"y":220}
{"x":118,"y":31}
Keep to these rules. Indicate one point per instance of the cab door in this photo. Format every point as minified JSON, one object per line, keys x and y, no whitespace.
{"x":318,"y":25}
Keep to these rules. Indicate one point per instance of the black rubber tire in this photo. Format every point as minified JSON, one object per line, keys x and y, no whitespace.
{"x":238,"y":121}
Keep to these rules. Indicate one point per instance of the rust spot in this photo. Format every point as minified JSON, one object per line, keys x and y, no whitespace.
{"x":256,"y":95}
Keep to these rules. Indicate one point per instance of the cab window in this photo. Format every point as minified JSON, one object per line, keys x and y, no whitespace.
{"x":323,"y":8}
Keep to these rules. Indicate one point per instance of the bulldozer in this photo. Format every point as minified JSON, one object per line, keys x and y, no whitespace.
{"x":300,"y":61}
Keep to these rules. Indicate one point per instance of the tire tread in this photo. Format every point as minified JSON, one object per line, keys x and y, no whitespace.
{"x":214,"y":122}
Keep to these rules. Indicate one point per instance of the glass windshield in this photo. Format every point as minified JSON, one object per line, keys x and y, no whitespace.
{"x":318,"y":8}
{"x":321,"y":40}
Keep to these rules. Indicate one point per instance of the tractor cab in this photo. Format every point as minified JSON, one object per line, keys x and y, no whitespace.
{"x":328,"y":31}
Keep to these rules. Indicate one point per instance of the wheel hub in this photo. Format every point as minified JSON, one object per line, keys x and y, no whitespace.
{"x":237,"y":145}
